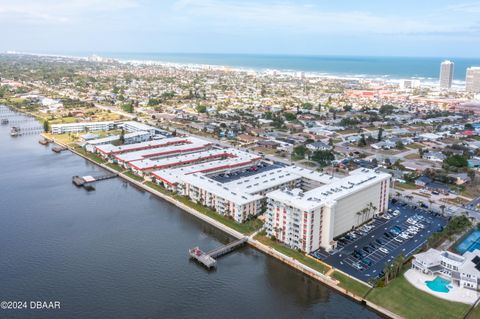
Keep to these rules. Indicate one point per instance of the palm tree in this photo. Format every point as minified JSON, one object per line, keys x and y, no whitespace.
{"x":386,"y":271}
{"x":442,"y":208}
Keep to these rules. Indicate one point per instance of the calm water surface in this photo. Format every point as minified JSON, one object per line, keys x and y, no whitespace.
{"x":119,"y":252}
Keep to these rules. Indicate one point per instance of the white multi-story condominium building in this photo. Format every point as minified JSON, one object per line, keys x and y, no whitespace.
{"x":462,"y":270}
{"x":472,"y":83}
{"x":82,"y":127}
{"x":446,"y":74}
{"x":309,"y":220}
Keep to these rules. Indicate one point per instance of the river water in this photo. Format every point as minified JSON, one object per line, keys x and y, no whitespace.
{"x":119,"y":252}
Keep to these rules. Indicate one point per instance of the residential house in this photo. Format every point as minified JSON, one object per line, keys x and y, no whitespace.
{"x":434,"y":156}
{"x":319,"y":146}
{"x":422,"y":181}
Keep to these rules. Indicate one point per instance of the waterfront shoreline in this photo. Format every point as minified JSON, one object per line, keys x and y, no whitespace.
{"x":270,"y":251}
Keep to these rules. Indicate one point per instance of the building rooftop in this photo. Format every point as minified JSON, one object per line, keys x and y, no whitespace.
{"x":360,"y":178}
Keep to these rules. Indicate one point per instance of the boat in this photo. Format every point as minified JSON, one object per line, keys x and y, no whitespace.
{"x":14,"y":131}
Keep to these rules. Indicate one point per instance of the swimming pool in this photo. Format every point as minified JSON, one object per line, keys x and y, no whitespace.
{"x":438,"y":284}
{"x":470,"y":243}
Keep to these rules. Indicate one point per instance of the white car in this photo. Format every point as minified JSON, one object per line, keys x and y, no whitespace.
{"x":383,"y":250}
{"x":398,"y":239}
{"x":420,"y":225}
{"x":403,"y":235}
{"x":396,"y":212}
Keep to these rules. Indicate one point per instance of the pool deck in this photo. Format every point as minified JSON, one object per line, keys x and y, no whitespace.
{"x":457,"y":294}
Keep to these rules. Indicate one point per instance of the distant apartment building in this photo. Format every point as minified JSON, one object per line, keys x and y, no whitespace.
{"x":446,"y":74}
{"x":82,"y":127}
{"x":472,"y":81}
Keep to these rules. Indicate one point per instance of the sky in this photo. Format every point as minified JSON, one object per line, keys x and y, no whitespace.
{"x":437,"y":28}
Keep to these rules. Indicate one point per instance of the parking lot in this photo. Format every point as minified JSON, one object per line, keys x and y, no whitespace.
{"x":373,"y":249}
{"x":262,"y":167}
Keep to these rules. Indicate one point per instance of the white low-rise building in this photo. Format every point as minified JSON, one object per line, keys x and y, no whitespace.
{"x":128,"y":138}
{"x":82,"y":127}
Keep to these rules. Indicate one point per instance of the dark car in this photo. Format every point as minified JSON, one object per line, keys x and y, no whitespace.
{"x":367,"y":261}
{"x":388,"y":235}
{"x":372,"y":245}
{"x":359,"y":253}
{"x":367,"y":249}
{"x":379,"y":241}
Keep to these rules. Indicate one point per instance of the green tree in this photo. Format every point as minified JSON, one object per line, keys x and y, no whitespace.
{"x":289,"y":116}
{"x":386,"y":109}
{"x":201,"y":108}
{"x":456,"y":161}
{"x":299,"y":151}
{"x":400,"y":145}
{"x":380,"y":133}
{"x":46,"y":126}
{"x":323,"y":158}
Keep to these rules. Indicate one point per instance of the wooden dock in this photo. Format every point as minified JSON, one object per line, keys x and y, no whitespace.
{"x":86,"y":181}
{"x":209,"y":259}
{"x":58,"y":149}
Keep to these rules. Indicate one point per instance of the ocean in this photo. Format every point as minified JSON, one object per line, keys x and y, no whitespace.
{"x":422,"y":68}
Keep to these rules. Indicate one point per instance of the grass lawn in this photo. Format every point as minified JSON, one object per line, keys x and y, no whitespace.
{"x":415,"y":146}
{"x":310,"y":262}
{"x":407,"y":301}
{"x":116,"y":167}
{"x":246,"y":228}
{"x":475,"y":314}
{"x":135,"y":177}
{"x":62,"y":138}
{"x":351,"y":284}
{"x":95,"y":158}
{"x":63,"y":120}
{"x":413,"y":156}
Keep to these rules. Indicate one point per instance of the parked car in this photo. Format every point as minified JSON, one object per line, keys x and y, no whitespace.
{"x":383,"y":250}
{"x":367,"y":262}
{"x":398,"y":239}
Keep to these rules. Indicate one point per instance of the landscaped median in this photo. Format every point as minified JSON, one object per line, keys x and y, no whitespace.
{"x":400,"y":297}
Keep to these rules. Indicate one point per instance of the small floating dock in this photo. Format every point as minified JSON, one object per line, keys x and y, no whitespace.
{"x":209,"y":259}
{"x":58,"y":149}
{"x":44,"y":141}
{"x":86,"y":181}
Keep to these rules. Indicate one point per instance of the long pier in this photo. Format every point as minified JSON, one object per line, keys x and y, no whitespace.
{"x":209,"y":259}
{"x":85,"y":181}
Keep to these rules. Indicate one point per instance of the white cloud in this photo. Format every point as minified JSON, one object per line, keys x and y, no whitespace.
{"x":470,"y":8}
{"x":58,"y":11}
{"x":292,"y":17}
